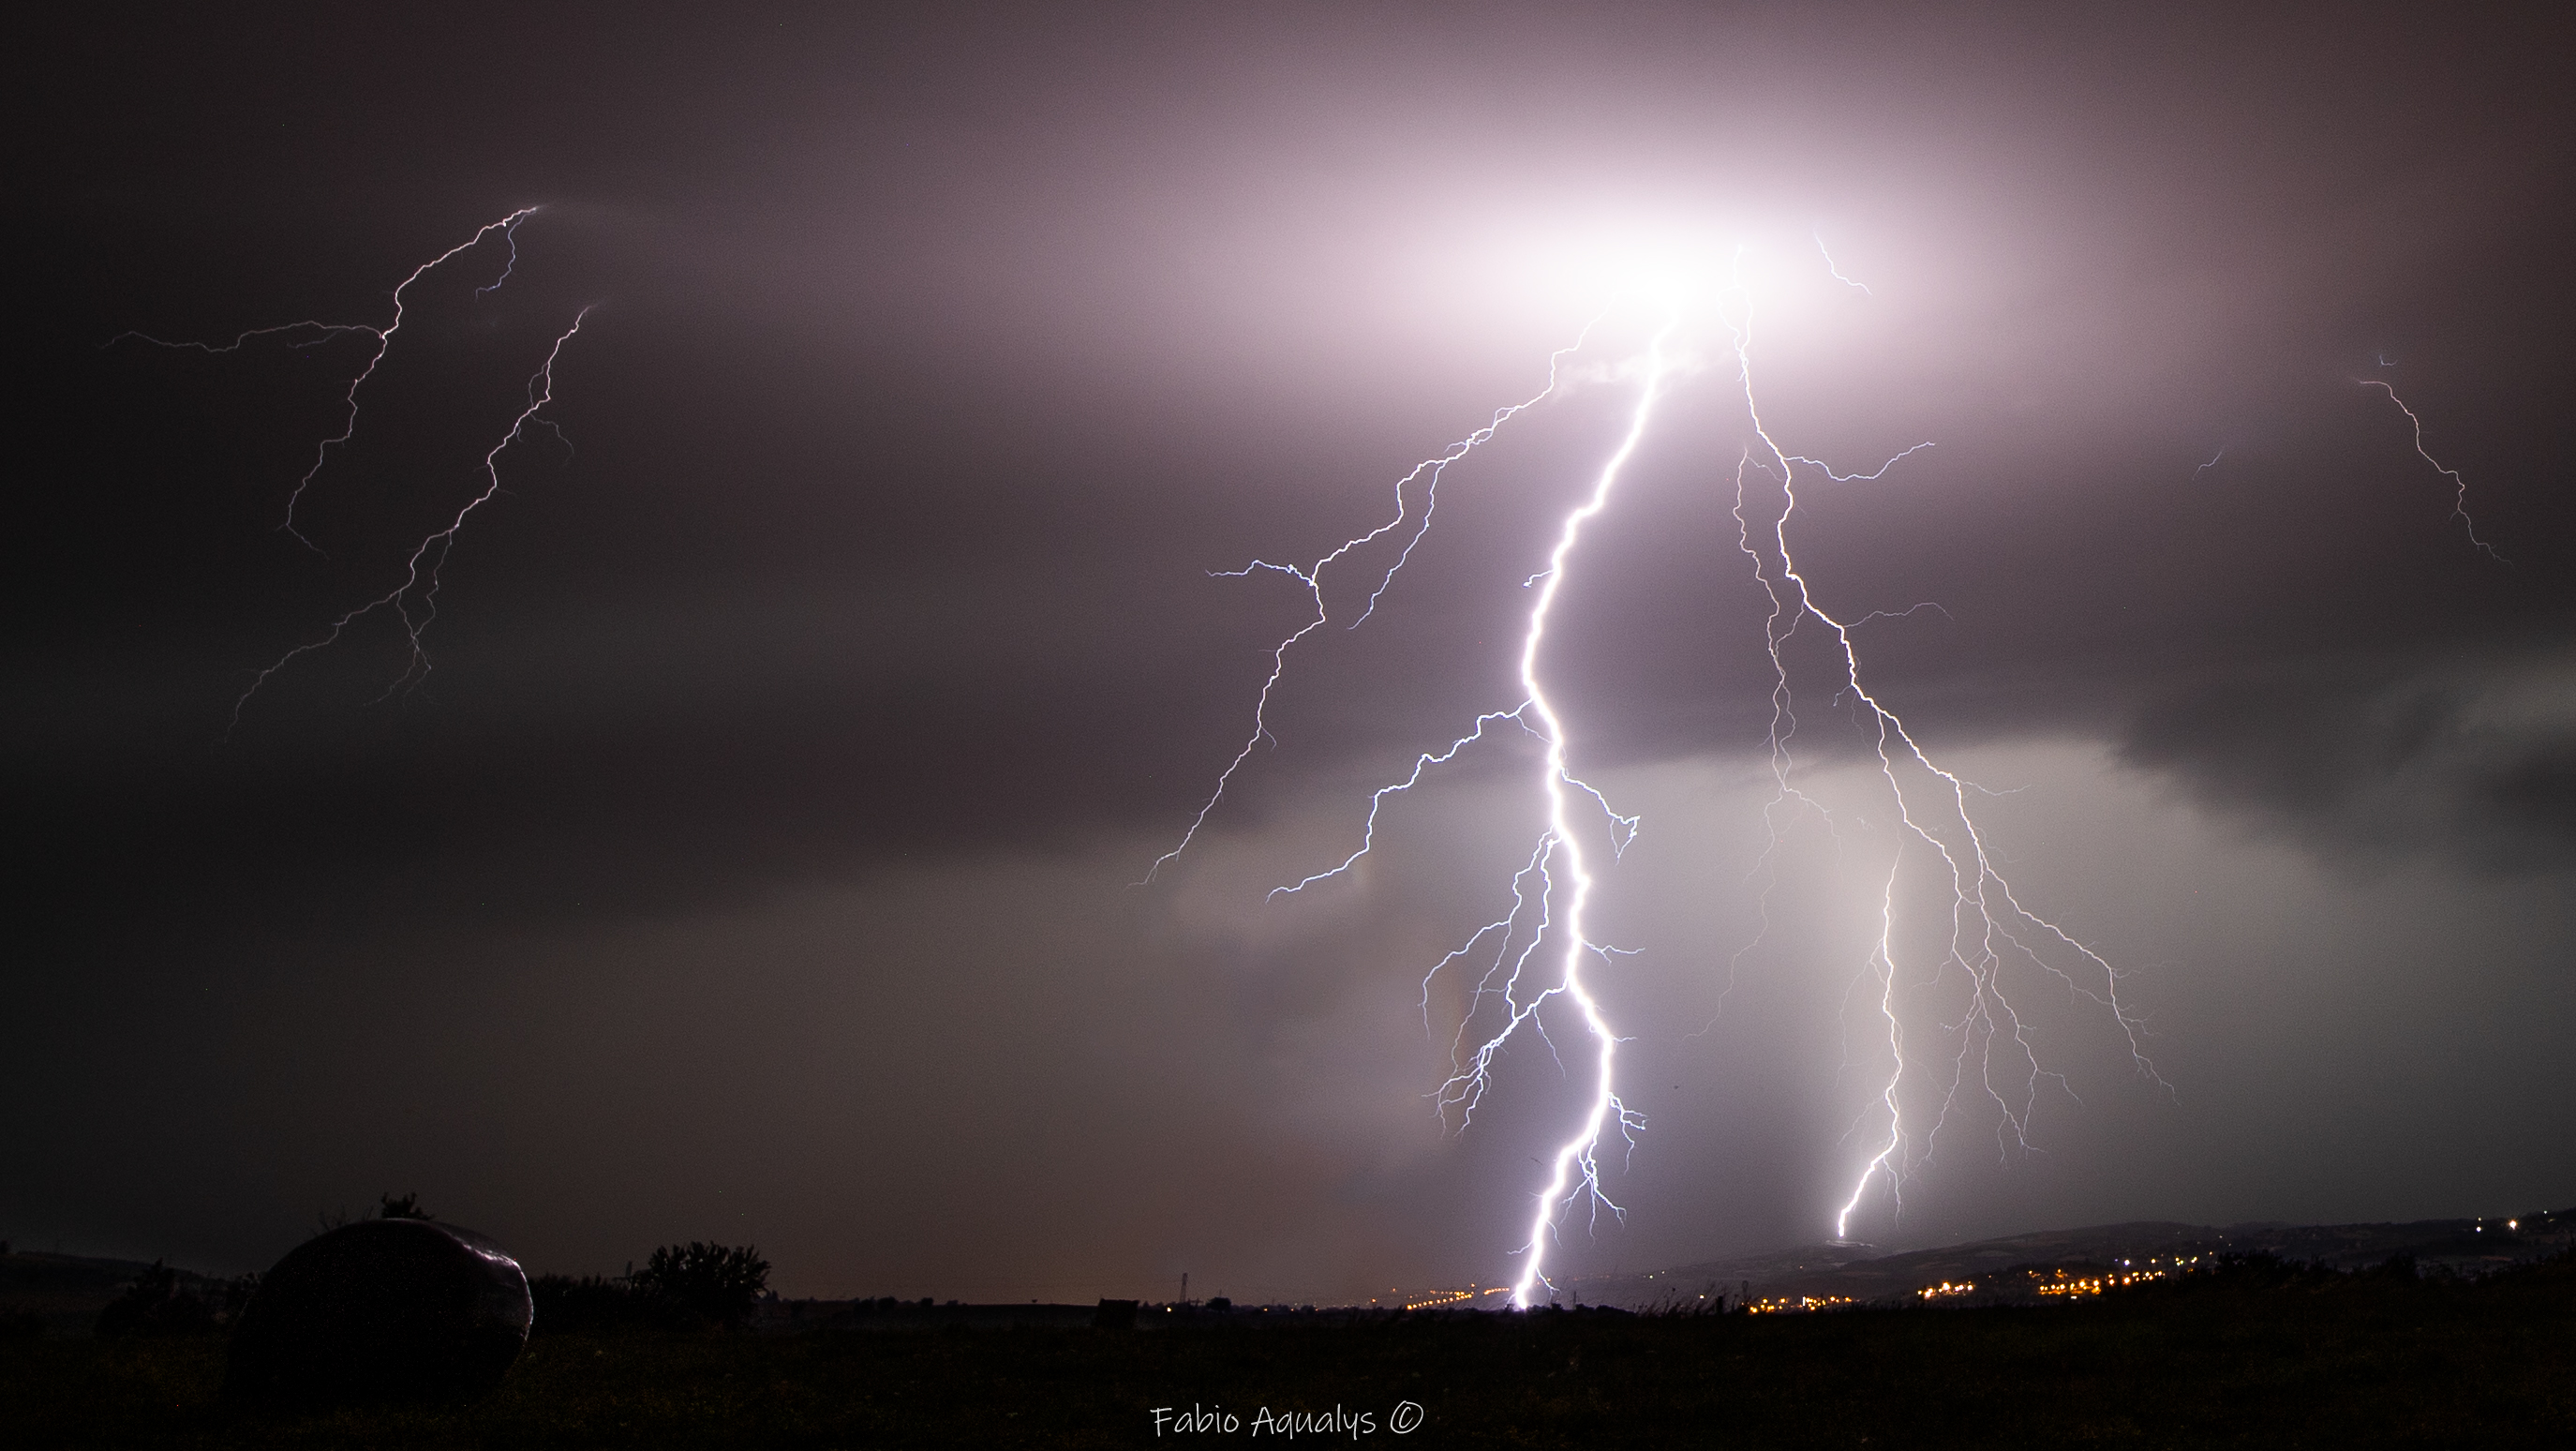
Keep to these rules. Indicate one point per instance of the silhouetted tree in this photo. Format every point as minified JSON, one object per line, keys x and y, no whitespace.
{"x":714,"y":1283}
{"x":407,"y":1206}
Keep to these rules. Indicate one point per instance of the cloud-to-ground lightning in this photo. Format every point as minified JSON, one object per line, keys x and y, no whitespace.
{"x":1528,"y":965}
{"x":1564,"y":884}
{"x":1987,"y":922}
{"x":1576,"y":1170}
{"x":415,"y":599}
{"x":2459,"y":485}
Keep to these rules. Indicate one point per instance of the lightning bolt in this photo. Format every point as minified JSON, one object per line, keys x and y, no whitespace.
{"x":310,"y":332}
{"x":1837,"y":272}
{"x":1987,"y":922}
{"x":1558,"y":918}
{"x":415,"y":600}
{"x":2459,"y":485}
{"x":1530,"y":964}
{"x":1576,"y":1172}
{"x":1882,"y":965}
{"x":1557,"y":865}
{"x":1311,"y":579}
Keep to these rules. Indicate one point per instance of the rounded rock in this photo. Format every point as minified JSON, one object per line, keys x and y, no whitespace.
{"x":384,"y":1309}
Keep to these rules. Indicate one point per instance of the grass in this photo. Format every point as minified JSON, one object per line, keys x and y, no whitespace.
{"x":2330,"y":1362}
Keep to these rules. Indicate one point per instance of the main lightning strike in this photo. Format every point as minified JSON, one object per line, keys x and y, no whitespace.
{"x":1575,"y":1172}
{"x":1551,"y":892}
{"x":1577,"y":1159}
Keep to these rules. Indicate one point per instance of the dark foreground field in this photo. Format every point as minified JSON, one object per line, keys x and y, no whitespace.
{"x":2267,"y":1359}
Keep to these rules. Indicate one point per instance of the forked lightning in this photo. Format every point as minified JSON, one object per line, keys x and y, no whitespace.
{"x":1532,"y":961}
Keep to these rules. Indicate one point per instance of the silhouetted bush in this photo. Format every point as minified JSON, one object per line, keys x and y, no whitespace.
{"x":709,"y":1283}
{"x":155,"y":1303}
{"x":2398,"y":1269}
{"x":2258,"y":1271}
{"x":2259,"y":1274}
{"x":388,"y":1206}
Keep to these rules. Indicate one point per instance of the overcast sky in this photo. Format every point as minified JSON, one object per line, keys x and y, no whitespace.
{"x":755,"y":861}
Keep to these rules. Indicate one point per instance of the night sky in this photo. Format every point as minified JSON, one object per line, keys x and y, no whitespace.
{"x":755,"y":861}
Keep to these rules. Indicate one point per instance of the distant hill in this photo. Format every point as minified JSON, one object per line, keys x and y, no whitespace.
{"x":70,"y":1290}
{"x":1850,"y":1272}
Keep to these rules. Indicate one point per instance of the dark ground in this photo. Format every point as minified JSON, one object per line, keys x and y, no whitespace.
{"x":2273,"y":1357}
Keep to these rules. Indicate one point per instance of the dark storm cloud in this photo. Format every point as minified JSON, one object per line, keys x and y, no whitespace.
{"x":938,"y":358}
{"x":2470,"y":766}
{"x":997,"y":340}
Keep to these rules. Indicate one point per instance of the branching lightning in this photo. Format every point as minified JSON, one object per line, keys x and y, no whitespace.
{"x":2459,"y":485}
{"x":1577,"y":1159}
{"x":1311,"y":578}
{"x":310,"y":332}
{"x":1529,"y":964}
{"x":1558,"y":921}
{"x":1983,"y":911}
{"x":415,"y":599}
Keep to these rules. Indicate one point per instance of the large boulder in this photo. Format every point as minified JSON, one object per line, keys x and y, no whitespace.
{"x":384,"y":1309}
